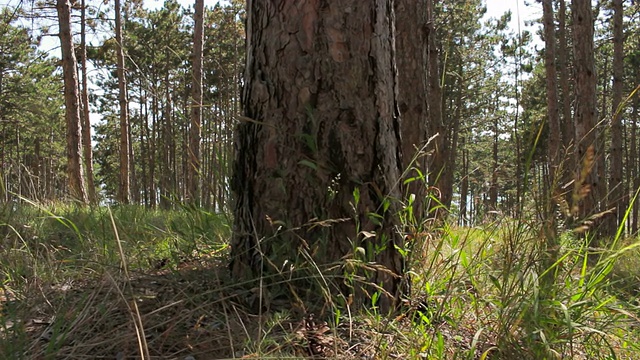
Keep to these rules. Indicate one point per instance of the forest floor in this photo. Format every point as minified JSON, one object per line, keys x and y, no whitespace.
{"x":69,"y":291}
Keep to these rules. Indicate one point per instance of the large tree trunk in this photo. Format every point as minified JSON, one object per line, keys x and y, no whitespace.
{"x":412,"y":93}
{"x":86,"y":126}
{"x":617,"y":199}
{"x":586,"y":192}
{"x":124,"y":189}
{"x":195,"y":131}
{"x":318,"y":163}
{"x":72,"y":104}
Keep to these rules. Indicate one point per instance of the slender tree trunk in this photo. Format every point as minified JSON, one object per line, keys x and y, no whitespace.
{"x":635,"y":178}
{"x":464,"y":184}
{"x":553,"y":143}
{"x":195,"y":130}
{"x":4,"y":194}
{"x":568,"y":132}
{"x":452,"y":134}
{"x":37,"y":171}
{"x":493,"y":188}
{"x":553,"y":119}
{"x":617,"y":197}
{"x":134,"y":187}
{"x":205,"y":166}
{"x":587,"y":187}
{"x":165,"y":152}
{"x":635,"y":160}
{"x":600,"y":133}
{"x":124,"y":189}
{"x":320,"y":137}
{"x":567,"y":125}
{"x":144,"y":145}
{"x":439,"y":168}
{"x":86,"y":126}
{"x":153,"y":141}
{"x":72,"y":104}
{"x":173,"y":173}
{"x":516,"y":132}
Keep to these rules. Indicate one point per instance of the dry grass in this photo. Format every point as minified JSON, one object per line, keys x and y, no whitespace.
{"x":475,"y":296}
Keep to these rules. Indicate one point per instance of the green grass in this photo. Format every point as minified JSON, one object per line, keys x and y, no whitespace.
{"x":477,"y":293}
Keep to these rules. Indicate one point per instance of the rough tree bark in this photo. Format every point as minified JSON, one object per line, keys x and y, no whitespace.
{"x":586,"y":193}
{"x":195,"y":130}
{"x":124,"y":189}
{"x":617,"y":197}
{"x":553,"y":142}
{"x":319,"y":143}
{"x":412,"y":93}
{"x":72,"y":104}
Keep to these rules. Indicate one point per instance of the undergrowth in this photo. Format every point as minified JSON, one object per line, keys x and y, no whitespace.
{"x":69,"y":291}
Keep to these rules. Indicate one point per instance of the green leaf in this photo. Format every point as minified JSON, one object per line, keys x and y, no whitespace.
{"x":308,"y":163}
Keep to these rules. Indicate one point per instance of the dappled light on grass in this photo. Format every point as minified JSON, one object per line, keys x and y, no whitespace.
{"x":476,"y":293}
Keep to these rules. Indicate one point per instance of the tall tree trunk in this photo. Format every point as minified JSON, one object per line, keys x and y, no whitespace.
{"x":451,"y":136}
{"x":124,"y":189}
{"x":617,"y":197}
{"x":567,"y":128}
{"x":134,"y":186}
{"x":4,"y":193}
{"x":412,"y":94}
{"x":493,"y":187}
{"x":464,"y":184}
{"x":144,"y":145}
{"x":72,"y":104}
{"x":635,"y":160}
{"x":635,"y":177}
{"x":439,"y":169}
{"x":568,"y":132}
{"x":587,"y":187}
{"x":319,"y":138}
{"x":553,"y":120}
{"x":553,"y":142}
{"x":165,"y":152}
{"x":153,"y":146}
{"x":86,"y":126}
{"x":195,"y":130}
{"x":600,"y":133}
